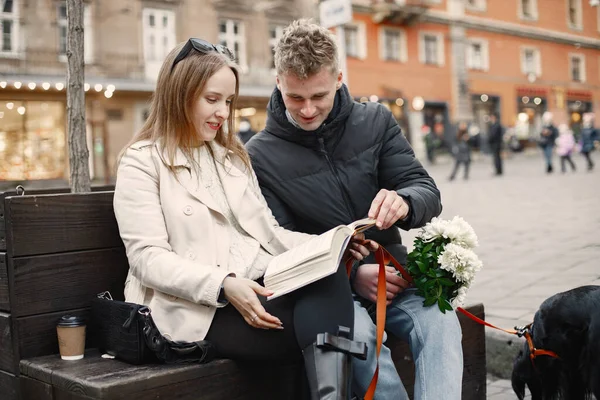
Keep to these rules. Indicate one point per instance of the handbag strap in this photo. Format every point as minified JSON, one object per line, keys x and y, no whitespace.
{"x":383,"y":258}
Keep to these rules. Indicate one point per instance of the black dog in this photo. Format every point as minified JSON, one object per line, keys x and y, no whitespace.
{"x":567,"y":324}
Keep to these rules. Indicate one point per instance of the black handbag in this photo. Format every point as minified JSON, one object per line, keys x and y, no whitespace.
{"x":127,"y":332}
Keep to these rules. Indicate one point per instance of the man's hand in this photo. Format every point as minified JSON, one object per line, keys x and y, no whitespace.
{"x":387,"y":208}
{"x":242,"y":294}
{"x":359,"y":248}
{"x":365,"y":282}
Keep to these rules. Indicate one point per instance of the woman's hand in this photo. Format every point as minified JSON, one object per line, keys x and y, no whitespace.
{"x":242,"y":294}
{"x":359,"y":248}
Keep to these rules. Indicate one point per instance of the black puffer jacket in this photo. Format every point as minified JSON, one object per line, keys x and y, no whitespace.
{"x":314,"y":181}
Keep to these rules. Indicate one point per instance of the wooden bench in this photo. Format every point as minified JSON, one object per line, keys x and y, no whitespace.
{"x":57,"y":251}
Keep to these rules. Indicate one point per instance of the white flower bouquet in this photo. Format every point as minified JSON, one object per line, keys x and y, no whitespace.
{"x":443,"y":263}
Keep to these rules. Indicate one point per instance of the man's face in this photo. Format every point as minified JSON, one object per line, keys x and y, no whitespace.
{"x":309,"y":100}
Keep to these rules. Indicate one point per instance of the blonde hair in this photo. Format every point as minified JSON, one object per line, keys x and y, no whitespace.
{"x":171,"y":111}
{"x":304,"y":49}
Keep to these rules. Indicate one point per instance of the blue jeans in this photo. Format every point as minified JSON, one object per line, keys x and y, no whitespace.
{"x":435,"y":342}
{"x":548,"y":150}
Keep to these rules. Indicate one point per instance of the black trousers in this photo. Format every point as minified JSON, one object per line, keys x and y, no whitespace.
{"x":588,"y":158}
{"x":498,"y":161}
{"x":564,"y":160}
{"x":316,"y":308}
{"x":455,"y":170}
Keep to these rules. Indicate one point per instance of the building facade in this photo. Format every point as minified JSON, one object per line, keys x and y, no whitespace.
{"x":125,"y":43}
{"x":438,"y":62}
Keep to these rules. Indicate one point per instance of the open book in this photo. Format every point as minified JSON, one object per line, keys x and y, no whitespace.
{"x":313,"y":260}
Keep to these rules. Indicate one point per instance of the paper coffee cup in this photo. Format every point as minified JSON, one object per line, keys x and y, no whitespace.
{"x":71,"y":337}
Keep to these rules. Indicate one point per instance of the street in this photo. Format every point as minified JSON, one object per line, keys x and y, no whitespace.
{"x":538,"y":235}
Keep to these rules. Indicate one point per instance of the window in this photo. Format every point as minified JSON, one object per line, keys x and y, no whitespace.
{"x":275,"y":33}
{"x":477,"y":55}
{"x":351,"y":40}
{"x":88,"y":42}
{"x":393,"y":45}
{"x":231,"y":35}
{"x":475,"y":5}
{"x":528,"y":9}
{"x":158,"y":27}
{"x":574,"y":14}
{"x":355,"y":40}
{"x":531,"y":61}
{"x":9,"y":26}
{"x":431,"y":48}
{"x":577,"y":67}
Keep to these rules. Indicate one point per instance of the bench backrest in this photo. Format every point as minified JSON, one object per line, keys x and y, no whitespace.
{"x":57,"y":251}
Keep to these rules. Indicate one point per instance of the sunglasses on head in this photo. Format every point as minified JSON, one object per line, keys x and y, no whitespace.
{"x":203,"y":47}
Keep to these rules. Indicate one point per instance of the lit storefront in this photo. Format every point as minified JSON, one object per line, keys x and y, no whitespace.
{"x":531,"y":105}
{"x":32,"y":140}
{"x":578,"y":103}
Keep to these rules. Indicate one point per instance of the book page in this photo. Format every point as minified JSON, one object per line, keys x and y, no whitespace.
{"x":312,"y":248}
{"x":362,"y":225}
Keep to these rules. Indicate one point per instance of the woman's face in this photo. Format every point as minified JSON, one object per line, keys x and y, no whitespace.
{"x":211,"y":109}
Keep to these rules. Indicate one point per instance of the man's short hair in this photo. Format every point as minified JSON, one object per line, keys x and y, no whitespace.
{"x":304,"y":49}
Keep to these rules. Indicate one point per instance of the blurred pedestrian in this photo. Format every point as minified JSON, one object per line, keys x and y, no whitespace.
{"x":565,"y":144}
{"x":588,"y":136}
{"x":495,"y":140}
{"x":245,"y":132}
{"x":547,"y":139}
{"x":461,"y":151}
{"x":430,"y":143}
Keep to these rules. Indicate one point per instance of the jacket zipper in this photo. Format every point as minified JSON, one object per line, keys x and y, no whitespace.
{"x":323,"y":151}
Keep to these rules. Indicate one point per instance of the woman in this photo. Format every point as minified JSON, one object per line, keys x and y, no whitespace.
{"x":588,"y":136}
{"x":199,"y":235}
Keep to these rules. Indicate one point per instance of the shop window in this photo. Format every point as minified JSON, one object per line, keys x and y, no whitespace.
{"x":9,"y":26}
{"x":577,"y":67}
{"x":32,"y":140}
{"x":275,"y":33}
{"x":393,"y":44}
{"x":88,"y":43}
{"x":232,"y":36}
{"x":158,"y":29}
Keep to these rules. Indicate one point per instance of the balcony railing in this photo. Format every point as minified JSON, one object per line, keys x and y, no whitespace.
{"x":401,"y":12}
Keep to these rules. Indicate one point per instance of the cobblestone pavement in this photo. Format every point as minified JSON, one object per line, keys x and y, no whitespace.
{"x":539,"y":234}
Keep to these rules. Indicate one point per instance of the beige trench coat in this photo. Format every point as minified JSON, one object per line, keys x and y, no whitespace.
{"x":176,"y":237}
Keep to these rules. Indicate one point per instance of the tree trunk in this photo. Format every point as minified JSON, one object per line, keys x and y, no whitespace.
{"x":78,"y":151}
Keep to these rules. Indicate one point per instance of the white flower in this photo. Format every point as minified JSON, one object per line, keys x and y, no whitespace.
{"x":461,"y":296}
{"x":457,"y":230}
{"x":461,"y":262}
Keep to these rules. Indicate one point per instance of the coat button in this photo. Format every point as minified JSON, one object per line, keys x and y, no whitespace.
{"x":188,"y":210}
{"x":190,"y":255}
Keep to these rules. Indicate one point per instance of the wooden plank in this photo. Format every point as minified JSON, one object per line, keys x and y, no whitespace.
{"x":57,"y":282}
{"x":36,"y":335}
{"x":8,"y":357}
{"x":56,"y":223}
{"x":34,"y":389}
{"x":110,"y":379}
{"x":4,"y":292}
{"x":474,"y":360}
{"x":9,"y":387}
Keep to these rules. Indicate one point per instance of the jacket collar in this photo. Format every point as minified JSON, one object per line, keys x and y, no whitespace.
{"x":279,"y":125}
{"x":230,"y":171}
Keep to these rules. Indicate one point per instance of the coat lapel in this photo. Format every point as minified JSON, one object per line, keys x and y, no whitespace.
{"x":189,"y":179}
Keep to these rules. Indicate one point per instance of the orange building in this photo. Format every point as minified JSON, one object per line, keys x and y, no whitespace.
{"x":437,"y":62}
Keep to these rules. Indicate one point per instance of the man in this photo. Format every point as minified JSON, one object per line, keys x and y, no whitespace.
{"x":547,"y":139}
{"x":495,"y":141}
{"x":245,"y":133}
{"x":325,"y":160}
